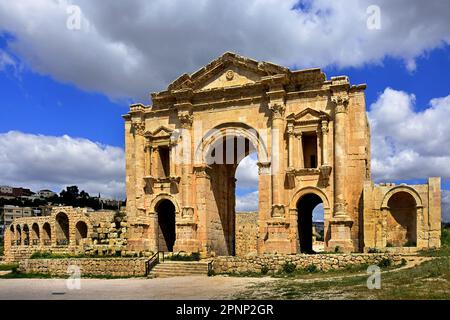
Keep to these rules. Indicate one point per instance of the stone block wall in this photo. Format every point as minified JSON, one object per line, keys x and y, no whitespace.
{"x":246,"y":233}
{"x":117,"y":267}
{"x":274,"y":263}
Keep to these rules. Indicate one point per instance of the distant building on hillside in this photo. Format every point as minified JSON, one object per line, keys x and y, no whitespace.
{"x":46,"y":193}
{"x":6,"y":190}
{"x":8,"y":213}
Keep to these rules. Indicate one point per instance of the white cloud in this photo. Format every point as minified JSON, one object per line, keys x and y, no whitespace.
{"x":38,"y":162}
{"x":247,"y":202}
{"x":247,"y":173}
{"x":127,"y":48}
{"x":409,"y":144}
{"x":6,"y":60}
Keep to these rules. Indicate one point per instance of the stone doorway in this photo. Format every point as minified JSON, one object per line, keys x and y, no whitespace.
{"x":306,"y":231}
{"x":166,"y":225}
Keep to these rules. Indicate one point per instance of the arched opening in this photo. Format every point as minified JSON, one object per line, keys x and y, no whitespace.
{"x":81,"y":231}
{"x":224,"y":157}
{"x":18,"y":235}
{"x":401,"y":221}
{"x":13,"y":235}
{"x":35,"y":234}
{"x":307,"y":230}
{"x":247,"y":206}
{"x":26,"y":235}
{"x":62,"y":229}
{"x":166,"y":225}
{"x":46,"y":234}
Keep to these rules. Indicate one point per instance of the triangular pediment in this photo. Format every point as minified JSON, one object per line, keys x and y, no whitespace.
{"x":227,"y":71}
{"x":161,"y":132}
{"x":308,"y":115}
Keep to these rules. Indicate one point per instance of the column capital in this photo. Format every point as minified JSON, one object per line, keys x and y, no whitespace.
{"x":263,"y":167}
{"x":277,"y":109}
{"x":186,"y":119}
{"x":340,"y":102}
{"x":138,"y":127}
{"x":324,"y":126}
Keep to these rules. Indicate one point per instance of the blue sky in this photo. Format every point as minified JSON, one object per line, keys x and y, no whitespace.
{"x":71,"y":87}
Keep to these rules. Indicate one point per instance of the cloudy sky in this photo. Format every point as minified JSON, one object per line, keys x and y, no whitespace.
{"x":66,"y":78}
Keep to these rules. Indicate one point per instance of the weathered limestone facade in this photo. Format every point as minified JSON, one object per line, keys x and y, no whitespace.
{"x":312,"y":138}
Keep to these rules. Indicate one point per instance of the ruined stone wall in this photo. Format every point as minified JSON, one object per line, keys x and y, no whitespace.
{"x":274,"y":263}
{"x":123,"y":267}
{"x":246,"y":233}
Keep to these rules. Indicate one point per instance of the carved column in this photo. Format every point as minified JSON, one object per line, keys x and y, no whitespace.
{"x":139,"y":132}
{"x":278,"y":110}
{"x":202,"y":183}
{"x":341,"y":222}
{"x":299,"y":136}
{"x":324,"y":143}
{"x":290,"y":133}
{"x":319,"y":151}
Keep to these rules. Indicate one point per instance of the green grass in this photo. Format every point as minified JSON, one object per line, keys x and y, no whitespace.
{"x":7,"y":267}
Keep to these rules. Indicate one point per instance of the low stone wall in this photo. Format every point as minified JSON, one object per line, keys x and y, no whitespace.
{"x":323,"y":262}
{"x":117,"y":267}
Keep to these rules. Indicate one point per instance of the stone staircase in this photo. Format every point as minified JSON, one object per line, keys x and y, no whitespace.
{"x":168,"y":269}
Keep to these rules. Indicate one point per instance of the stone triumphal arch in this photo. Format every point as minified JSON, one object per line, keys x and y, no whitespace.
{"x":312,"y":140}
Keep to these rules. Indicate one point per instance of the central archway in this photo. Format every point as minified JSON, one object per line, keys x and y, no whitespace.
{"x":222,"y":150}
{"x":165,"y":210}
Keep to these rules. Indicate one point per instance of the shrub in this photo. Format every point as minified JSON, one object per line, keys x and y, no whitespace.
{"x":403,"y":262}
{"x":385,"y":262}
{"x":288,"y":267}
{"x":264,"y":269}
{"x":311,"y":268}
{"x":373,"y":250}
{"x":181,"y":256}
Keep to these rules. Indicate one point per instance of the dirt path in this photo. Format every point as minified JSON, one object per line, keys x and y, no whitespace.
{"x":184,"y":288}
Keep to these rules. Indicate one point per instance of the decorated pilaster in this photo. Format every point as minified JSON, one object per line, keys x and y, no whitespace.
{"x":277,"y":225}
{"x":341,"y":222}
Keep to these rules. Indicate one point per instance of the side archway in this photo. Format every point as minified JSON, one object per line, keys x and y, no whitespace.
{"x":401,"y":217}
{"x":35,"y":234}
{"x":81,"y":232}
{"x":46,"y":234}
{"x":62,"y":229}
